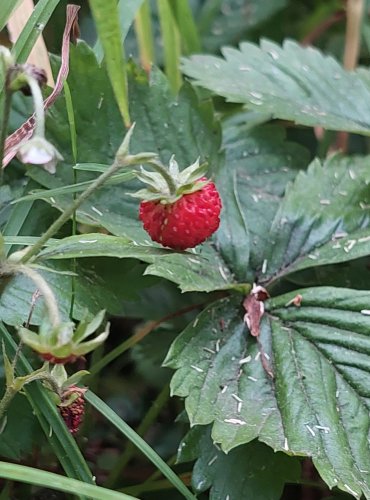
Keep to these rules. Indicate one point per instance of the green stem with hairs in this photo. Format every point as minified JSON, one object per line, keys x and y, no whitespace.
{"x":20,"y":382}
{"x":68,"y":213}
{"x":9,"y":394}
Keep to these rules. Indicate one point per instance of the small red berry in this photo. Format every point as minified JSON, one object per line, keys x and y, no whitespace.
{"x":73,"y":413}
{"x":186,"y":222}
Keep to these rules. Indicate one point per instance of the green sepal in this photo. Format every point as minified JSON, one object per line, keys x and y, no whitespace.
{"x":75,"y":378}
{"x":159,"y":185}
{"x":31,"y":339}
{"x":87,"y":328}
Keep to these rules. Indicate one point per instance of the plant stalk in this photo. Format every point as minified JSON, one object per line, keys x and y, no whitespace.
{"x":38,"y":103}
{"x":9,"y":394}
{"x":4,"y":127}
{"x":65,"y":216}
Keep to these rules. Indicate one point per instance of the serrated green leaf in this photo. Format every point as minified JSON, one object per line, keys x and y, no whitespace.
{"x":193,"y":271}
{"x":261,"y":162}
{"x":311,"y":216}
{"x":249,"y":471}
{"x":226,"y":22}
{"x":318,"y":402}
{"x":290,"y":82}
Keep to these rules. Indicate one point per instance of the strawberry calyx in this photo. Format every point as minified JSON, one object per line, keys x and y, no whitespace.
{"x":168,"y":185}
{"x":64,"y":343}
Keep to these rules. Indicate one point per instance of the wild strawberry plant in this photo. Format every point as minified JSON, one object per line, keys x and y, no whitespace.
{"x":205,"y":202}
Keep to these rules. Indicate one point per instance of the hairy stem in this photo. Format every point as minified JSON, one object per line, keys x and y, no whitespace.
{"x":46,"y":291}
{"x":9,"y":394}
{"x":65,"y":216}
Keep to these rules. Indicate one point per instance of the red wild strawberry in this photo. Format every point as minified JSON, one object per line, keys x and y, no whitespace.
{"x":179,"y":210}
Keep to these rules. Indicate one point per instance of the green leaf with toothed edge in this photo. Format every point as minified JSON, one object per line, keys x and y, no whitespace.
{"x":264,"y":472}
{"x":197,"y":270}
{"x":290,"y":82}
{"x":311,"y":218}
{"x":260,"y":162}
{"x":318,"y":403}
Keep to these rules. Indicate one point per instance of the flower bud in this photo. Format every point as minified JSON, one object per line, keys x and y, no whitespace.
{"x":39,"y":151}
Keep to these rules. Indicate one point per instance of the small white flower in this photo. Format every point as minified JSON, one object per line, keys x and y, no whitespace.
{"x":39,"y":151}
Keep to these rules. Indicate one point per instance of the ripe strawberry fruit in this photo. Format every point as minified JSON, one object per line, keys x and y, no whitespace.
{"x":179,"y":210}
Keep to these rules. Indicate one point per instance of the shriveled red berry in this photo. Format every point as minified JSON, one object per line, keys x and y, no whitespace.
{"x":185,"y":223}
{"x":74,"y":412}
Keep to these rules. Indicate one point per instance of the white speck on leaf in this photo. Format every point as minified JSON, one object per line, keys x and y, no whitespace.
{"x":197,"y":369}
{"x":235,"y":421}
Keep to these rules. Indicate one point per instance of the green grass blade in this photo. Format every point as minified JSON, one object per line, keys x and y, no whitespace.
{"x":31,"y":475}
{"x":59,"y":437}
{"x":105,"y":13}
{"x":25,"y":240}
{"x":17,"y":217}
{"x":125,"y":429}
{"x":42,"y":194}
{"x":91,"y":167}
{"x":127,"y":12}
{"x":171,"y":44}
{"x":144,"y":35}
{"x":186,"y":25}
{"x":7,"y":7}
{"x":34,"y":26}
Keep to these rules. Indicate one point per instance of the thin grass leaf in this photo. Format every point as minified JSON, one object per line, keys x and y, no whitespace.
{"x":144,"y":34}
{"x":126,"y":430}
{"x":187,"y":27}
{"x":7,"y":7}
{"x":42,"y":194}
{"x":106,"y":17}
{"x":127,"y":12}
{"x":39,"y":477}
{"x":35,"y":25}
{"x":17,"y":218}
{"x":25,"y":240}
{"x":91,"y":167}
{"x":171,"y":44}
